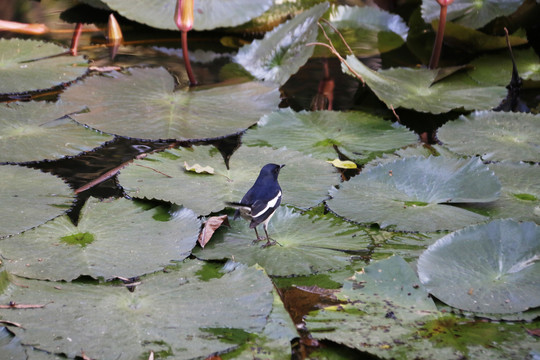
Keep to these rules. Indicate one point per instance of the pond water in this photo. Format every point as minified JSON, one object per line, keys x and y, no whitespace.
{"x":94,"y":174}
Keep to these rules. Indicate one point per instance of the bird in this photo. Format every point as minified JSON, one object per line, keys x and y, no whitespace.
{"x":261,"y":201}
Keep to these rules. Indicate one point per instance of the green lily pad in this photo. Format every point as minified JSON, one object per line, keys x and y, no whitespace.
{"x":29,"y":198}
{"x":384,"y":304}
{"x":208,"y":14}
{"x":470,"y":13}
{"x":496,"y":69}
{"x":163,"y":176}
{"x":307,"y":245}
{"x":358,"y":134}
{"x":117,"y":107}
{"x":111,"y":239}
{"x":29,"y":65}
{"x":23,"y":125}
{"x":490,"y":268}
{"x":367,"y":30}
{"x":416,"y":194}
{"x":283,"y":50}
{"x":494,"y":136}
{"x":167,"y":313}
{"x":520,"y":192}
{"x":418,"y":89}
{"x":476,"y":41}
{"x":274,"y":341}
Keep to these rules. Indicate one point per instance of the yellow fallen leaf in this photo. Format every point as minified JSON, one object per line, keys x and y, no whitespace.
{"x":343,"y":164}
{"x":199,"y":168}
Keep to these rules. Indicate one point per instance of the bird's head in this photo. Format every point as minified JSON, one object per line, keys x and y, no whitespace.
{"x":271,"y":170}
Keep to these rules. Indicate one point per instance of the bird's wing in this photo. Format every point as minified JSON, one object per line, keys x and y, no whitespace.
{"x":262,"y":209}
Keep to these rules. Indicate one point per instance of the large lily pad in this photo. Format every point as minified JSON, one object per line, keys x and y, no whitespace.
{"x":415,"y":194}
{"x":28,"y":65}
{"x":494,"y":136}
{"x":490,"y":268}
{"x":111,"y":239}
{"x":24,"y":125}
{"x":167,"y":314}
{"x":471,"y":13}
{"x":367,"y":30}
{"x":208,"y":14}
{"x":358,"y":134}
{"x":283,"y":50}
{"x":164,"y":176}
{"x":29,"y":198}
{"x":419,"y":90}
{"x":520,"y":192}
{"x":307,"y":245}
{"x":143,"y":104}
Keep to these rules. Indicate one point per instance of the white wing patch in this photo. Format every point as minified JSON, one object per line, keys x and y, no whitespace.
{"x":270,"y":205}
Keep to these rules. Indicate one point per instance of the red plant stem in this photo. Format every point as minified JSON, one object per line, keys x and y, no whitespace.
{"x":75,"y":39}
{"x":185,"y":53}
{"x":437,"y":46}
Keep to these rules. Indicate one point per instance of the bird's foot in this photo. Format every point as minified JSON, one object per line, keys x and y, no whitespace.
{"x":270,"y":242}
{"x":259,"y":238}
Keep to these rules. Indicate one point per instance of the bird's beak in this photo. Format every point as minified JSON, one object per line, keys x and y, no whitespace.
{"x":281,"y":166}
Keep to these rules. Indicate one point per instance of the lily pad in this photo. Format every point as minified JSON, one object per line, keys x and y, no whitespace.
{"x":494,"y":136}
{"x":143,"y":104}
{"x":496,"y":69}
{"x":418,"y":89}
{"x":367,"y":30}
{"x":416,"y":194}
{"x":29,"y":198}
{"x":357,"y":134}
{"x":307,"y":245}
{"x":471,"y":13}
{"x":29,"y":65}
{"x":163,"y":176}
{"x":208,"y":14}
{"x":168,"y":314}
{"x":520,"y":192}
{"x":490,"y":268}
{"x":283,"y":50}
{"x":111,"y":239}
{"x":23,"y":125}
{"x":383,"y":306}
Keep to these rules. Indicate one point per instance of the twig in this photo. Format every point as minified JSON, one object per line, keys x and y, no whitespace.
{"x":339,"y":33}
{"x":11,"y":323}
{"x":109,"y":174}
{"x":151,"y":168}
{"x":332,"y":48}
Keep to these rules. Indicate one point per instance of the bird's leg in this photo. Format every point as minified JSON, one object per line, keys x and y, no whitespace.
{"x":269,"y":241}
{"x":258,"y":237}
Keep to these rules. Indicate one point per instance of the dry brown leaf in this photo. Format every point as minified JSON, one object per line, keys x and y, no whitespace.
{"x":210,"y":226}
{"x":533,"y":332}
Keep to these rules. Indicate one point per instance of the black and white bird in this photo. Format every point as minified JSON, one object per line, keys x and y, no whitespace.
{"x":261,"y":201}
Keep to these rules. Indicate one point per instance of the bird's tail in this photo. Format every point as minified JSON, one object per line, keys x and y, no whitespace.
{"x":238,"y":206}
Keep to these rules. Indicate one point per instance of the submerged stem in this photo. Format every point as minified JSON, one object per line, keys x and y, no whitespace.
{"x":75,"y":39}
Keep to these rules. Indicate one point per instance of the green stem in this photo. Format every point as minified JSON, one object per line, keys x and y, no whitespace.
{"x":191,"y":77}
